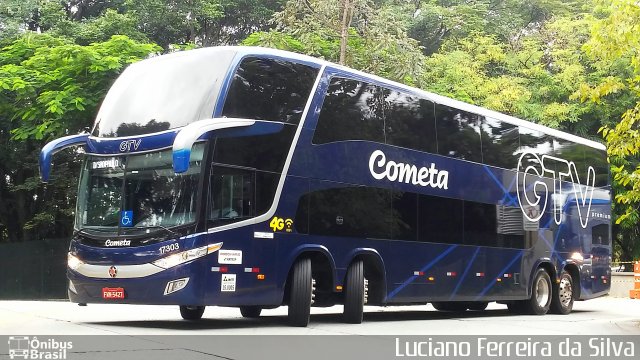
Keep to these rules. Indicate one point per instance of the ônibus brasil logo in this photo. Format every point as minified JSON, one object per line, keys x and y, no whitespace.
{"x":25,"y":347}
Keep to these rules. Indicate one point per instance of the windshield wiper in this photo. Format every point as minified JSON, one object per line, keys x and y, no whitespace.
{"x":88,"y":231}
{"x":159,"y":227}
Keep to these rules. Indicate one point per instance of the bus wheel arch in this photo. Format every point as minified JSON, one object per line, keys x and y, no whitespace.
{"x":374,"y":272}
{"x":322,"y":270}
{"x":541,"y":292}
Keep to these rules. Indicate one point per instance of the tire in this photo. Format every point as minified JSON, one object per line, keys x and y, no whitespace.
{"x":251,"y":312}
{"x":516,"y":307}
{"x":191,"y":312}
{"x":450,"y":306}
{"x":562,"y":298}
{"x":300,"y":293}
{"x":354,"y":296}
{"x":477,"y":305}
{"x":541,"y":292}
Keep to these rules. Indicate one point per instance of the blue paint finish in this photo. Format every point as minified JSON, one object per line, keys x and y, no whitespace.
{"x":112,"y":146}
{"x":494,"y":280}
{"x":424,"y":268}
{"x":181,"y":160}
{"x":53,"y":147}
{"x":464,"y":274}
{"x":346,"y":163}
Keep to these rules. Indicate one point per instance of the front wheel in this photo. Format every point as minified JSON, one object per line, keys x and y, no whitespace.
{"x":562,"y":298}
{"x":450,"y":306}
{"x":251,"y":312}
{"x":300,"y":293}
{"x":541,"y":291}
{"x":477,"y":305}
{"x":191,"y":312}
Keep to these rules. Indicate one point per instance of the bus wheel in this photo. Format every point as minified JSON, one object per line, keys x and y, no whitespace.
{"x":450,"y":306}
{"x":355,"y":295}
{"x":250,"y":311}
{"x":301,"y":293}
{"x":562,"y":298}
{"x":477,"y":305}
{"x":191,"y":312}
{"x":540,"y":300}
{"x":516,"y":307}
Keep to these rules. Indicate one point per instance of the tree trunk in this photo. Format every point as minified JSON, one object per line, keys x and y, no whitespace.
{"x":344,"y":30}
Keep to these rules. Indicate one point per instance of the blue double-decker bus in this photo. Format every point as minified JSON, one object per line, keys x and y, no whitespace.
{"x":255,"y":178}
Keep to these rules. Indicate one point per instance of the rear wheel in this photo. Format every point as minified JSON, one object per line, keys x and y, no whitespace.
{"x":300,"y":293}
{"x":250,"y":311}
{"x":450,"y":306}
{"x":191,"y":312}
{"x":540,"y":300}
{"x":562,"y":298}
{"x":355,"y":294}
{"x":477,"y":305}
{"x":516,"y":307}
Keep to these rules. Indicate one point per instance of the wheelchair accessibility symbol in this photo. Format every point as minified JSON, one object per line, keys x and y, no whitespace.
{"x":126,"y":218}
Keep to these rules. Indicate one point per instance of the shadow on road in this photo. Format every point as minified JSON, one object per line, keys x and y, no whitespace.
{"x":267,"y":321}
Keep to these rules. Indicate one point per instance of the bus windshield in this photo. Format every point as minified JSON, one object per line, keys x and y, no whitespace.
{"x":138,"y":192}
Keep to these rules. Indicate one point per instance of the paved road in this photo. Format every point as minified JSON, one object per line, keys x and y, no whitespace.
{"x":603,"y":316}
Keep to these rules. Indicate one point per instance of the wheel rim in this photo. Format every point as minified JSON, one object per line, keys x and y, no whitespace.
{"x":542,"y":292}
{"x":565,"y":292}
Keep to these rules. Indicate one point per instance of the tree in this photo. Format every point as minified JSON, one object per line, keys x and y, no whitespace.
{"x":376,"y":36}
{"x":49,"y":87}
{"x":615,"y":41}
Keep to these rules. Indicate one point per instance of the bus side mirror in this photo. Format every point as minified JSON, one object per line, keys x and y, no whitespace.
{"x":189,"y":134}
{"x":53,"y":147}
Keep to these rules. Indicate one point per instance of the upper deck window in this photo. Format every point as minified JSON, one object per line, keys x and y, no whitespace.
{"x":352,"y":110}
{"x":163,"y":93}
{"x":269,"y":89}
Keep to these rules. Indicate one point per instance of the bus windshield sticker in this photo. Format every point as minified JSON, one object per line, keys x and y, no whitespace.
{"x":228,"y":282}
{"x":380,"y":168}
{"x":105,"y":164}
{"x":262,"y":235}
{"x":126,"y":218}
{"x":230,"y":257}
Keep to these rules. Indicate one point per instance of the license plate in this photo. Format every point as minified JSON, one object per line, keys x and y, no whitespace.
{"x":112,"y":293}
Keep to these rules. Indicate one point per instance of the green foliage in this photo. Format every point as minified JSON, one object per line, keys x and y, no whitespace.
{"x":614,"y":45}
{"x":378,"y":42}
{"x":52,"y":87}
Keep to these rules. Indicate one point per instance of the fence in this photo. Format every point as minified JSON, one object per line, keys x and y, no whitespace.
{"x":34,"y":269}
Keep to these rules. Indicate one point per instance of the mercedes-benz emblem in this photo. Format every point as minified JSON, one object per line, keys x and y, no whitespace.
{"x":113,"y":272}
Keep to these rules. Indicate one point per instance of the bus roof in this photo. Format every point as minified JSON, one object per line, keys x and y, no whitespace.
{"x":251,"y":50}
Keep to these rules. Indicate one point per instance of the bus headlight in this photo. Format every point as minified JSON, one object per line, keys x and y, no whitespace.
{"x":186,"y":256}
{"x":73,"y":262}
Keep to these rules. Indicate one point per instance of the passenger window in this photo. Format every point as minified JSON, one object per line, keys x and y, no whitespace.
{"x":362,"y":212}
{"x":458,"y":133}
{"x":409,"y":121}
{"x":440,"y":219}
{"x":352,"y":110}
{"x":499,"y":143}
{"x":269,"y":89}
{"x":404,"y":216}
{"x":598,"y":159}
{"x":230,"y":197}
